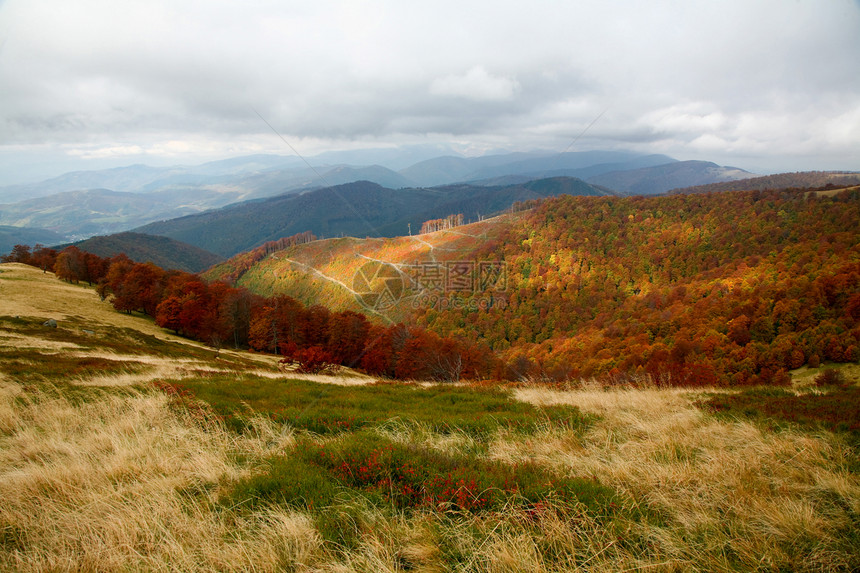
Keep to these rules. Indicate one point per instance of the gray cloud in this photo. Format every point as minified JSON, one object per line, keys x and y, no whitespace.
{"x":770,"y":83}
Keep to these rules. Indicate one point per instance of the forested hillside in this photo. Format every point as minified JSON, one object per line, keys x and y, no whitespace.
{"x":728,"y":288}
{"x":699,"y":289}
{"x":691,"y":289}
{"x":162,"y":251}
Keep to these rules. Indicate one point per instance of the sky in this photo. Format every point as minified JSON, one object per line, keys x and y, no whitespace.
{"x":765,"y":85}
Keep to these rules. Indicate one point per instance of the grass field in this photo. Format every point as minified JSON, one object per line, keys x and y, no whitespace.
{"x":123,"y":448}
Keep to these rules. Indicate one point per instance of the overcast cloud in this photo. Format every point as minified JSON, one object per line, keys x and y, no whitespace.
{"x":763,"y":85}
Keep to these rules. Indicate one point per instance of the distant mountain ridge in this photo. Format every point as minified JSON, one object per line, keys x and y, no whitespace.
{"x":446,"y":170}
{"x":357,"y":209}
{"x":800,"y":180}
{"x":87,"y":203}
{"x":657,"y":179}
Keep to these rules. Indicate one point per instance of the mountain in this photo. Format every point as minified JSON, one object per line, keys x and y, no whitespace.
{"x":536,"y":165}
{"x":578,"y":164}
{"x":165,"y":252}
{"x":661,"y":178}
{"x":128,"y":178}
{"x":357,"y":209}
{"x":307,"y":179}
{"x":168,"y":193}
{"x":142,"y":178}
{"x":253,"y":176}
{"x":11,"y":236}
{"x":440,"y":171}
{"x":395,"y":158}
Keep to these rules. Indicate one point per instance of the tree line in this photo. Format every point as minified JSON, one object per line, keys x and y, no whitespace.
{"x":241,"y":263}
{"x":220,"y":315}
{"x":448,"y":222}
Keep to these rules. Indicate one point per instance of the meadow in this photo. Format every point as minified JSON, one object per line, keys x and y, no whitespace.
{"x":125,"y":448}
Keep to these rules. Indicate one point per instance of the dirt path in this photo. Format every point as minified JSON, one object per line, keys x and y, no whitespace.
{"x":316,"y":272}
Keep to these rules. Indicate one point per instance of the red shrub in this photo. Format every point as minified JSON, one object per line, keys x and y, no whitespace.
{"x":315,"y":360}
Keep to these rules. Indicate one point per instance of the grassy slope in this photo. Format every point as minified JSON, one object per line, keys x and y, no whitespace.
{"x":99,"y":471}
{"x":333,"y":264}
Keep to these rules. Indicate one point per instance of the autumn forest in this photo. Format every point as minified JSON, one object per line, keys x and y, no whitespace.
{"x":732,"y":288}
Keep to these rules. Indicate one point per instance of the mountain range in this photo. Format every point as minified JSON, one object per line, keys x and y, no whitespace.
{"x":81,"y":204}
{"x":359,"y":209}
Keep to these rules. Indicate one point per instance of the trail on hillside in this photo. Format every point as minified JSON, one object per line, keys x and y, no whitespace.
{"x":316,"y":272}
{"x":333,"y":280}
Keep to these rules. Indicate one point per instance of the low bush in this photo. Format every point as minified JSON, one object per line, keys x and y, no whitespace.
{"x":369,"y":468}
{"x":835,"y":411}
{"x":830,"y":377}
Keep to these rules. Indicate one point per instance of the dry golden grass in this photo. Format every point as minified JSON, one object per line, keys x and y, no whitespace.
{"x":124,"y":482}
{"x":15,"y":340}
{"x":27,"y":291}
{"x":733,"y":493}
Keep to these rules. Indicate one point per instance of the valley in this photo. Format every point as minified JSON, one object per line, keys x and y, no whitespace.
{"x":584,"y":381}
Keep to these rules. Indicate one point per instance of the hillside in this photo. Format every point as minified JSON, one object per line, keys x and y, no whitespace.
{"x":737,"y":287}
{"x":616,"y":287}
{"x":799,"y":180}
{"x":11,"y":236}
{"x":165,"y":252}
{"x":361,"y":209}
{"x":127,"y":448}
{"x":325,"y":271}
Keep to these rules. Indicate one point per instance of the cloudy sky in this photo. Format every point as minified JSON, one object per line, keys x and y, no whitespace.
{"x":770,"y":85}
